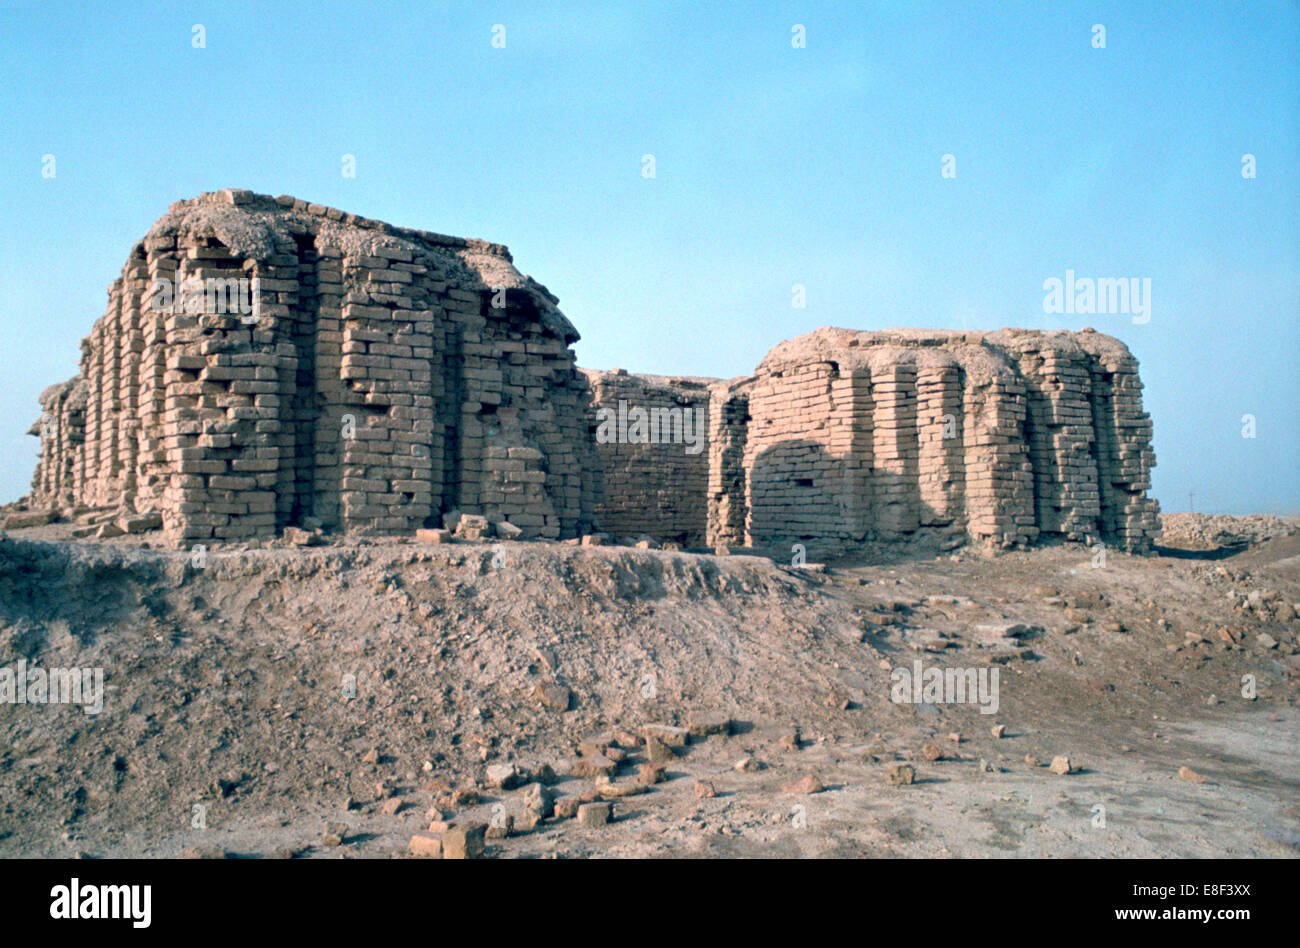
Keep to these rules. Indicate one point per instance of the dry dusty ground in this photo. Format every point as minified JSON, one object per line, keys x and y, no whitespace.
{"x":227,"y":688}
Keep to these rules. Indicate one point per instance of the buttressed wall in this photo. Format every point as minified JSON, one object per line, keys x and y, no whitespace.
{"x":381,"y":377}
{"x":385,"y":376}
{"x":1002,"y":437}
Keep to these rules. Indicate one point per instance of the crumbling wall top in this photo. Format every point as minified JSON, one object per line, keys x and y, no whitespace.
{"x":982,"y":355}
{"x":251,"y":225}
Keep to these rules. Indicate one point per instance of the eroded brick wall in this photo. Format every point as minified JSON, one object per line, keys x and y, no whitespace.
{"x":383,"y":377}
{"x":651,"y":480}
{"x":1001,"y":438}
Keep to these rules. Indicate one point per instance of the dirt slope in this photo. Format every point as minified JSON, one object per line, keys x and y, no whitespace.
{"x":229,"y":687}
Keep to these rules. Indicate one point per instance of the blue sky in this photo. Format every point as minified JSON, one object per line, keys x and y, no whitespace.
{"x":774,"y":166}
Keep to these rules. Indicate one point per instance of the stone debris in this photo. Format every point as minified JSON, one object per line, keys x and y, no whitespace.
{"x":506,"y":530}
{"x":141,"y":523}
{"x":596,"y":744}
{"x":551,"y":696}
{"x":657,"y":751}
{"x":592,"y":766}
{"x":592,"y":815}
{"x":503,"y":776}
{"x":539,"y":799}
{"x":32,"y":518}
{"x":540,"y":773}
{"x":1062,"y":765}
{"x":334,"y":834}
{"x":300,"y":537}
{"x":464,"y":842}
{"x":1190,"y":775}
{"x":1196,"y":531}
{"x":1002,"y":631}
{"x":672,"y":736}
{"x":806,"y":784}
{"x":425,"y":844}
{"x":650,"y":774}
{"x":459,"y":798}
{"x":900,"y":775}
{"x":205,"y":852}
{"x":472,"y":527}
{"x":704,"y":789}
{"x":701,"y":724}
{"x":609,"y":790}
{"x":838,"y":700}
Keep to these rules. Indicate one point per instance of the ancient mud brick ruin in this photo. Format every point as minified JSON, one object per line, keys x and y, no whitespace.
{"x":998,"y":437}
{"x":651,"y":479}
{"x":383,"y":376}
{"x":380,"y":378}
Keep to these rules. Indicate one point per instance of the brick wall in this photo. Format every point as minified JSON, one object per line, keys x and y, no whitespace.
{"x":653,"y":457}
{"x":385,"y":377}
{"x":1005,"y":437}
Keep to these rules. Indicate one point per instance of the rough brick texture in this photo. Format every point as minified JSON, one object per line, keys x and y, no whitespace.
{"x":383,"y":377}
{"x":380,"y":378}
{"x":651,"y":479}
{"x":1004,"y":437}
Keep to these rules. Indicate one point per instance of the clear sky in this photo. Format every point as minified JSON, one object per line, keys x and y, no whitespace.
{"x":774,"y":166}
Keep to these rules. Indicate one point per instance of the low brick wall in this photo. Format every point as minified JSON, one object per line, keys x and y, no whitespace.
{"x":651,"y":440}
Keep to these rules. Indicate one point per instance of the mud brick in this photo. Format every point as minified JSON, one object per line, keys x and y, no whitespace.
{"x":837,"y":438}
{"x":464,"y":841}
